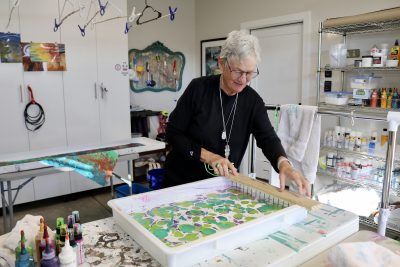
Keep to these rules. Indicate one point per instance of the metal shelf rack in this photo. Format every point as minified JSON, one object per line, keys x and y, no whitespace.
{"x":375,"y":114}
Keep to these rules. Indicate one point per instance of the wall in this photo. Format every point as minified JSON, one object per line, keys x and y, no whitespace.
{"x":210,"y":13}
{"x":178,"y":35}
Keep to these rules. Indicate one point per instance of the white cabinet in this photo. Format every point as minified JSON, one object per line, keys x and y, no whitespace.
{"x":77,"y":110}
{"x":96,"y":91}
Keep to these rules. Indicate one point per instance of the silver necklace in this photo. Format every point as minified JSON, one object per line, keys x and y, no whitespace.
{"x":224,"y":135}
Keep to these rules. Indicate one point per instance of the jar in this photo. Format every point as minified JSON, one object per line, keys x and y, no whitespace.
{"x":358,"y":63}
{"x":367,"y":61}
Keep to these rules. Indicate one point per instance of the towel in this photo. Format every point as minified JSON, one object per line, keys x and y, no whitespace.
{"x":360,"y":254}
{"x":300,"y":133}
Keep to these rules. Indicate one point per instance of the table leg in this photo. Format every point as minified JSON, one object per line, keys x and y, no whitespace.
{"x":130,"y":176}
{"x":4,"y":203}
{"x":10,"y":205}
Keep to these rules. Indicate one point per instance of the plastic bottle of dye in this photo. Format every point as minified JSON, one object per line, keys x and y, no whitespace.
{"x":79,"y":243}
{"x":383,"y":98}
{"x":67,"y":256}
{"x":23,"y":258}
{"x":49,"y":258}
{"x":374,"y":99}
{"x":45,"y":237}
{"x":38,"y":239}
{"x":395,"y":98}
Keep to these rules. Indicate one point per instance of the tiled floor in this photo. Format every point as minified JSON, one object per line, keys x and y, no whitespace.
{"x":92,"y":205}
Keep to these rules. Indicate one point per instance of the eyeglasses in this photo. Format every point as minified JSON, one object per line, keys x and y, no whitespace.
{"x":237,"y":74}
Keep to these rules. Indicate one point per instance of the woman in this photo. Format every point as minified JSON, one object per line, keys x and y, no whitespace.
{"x":215,"y":116}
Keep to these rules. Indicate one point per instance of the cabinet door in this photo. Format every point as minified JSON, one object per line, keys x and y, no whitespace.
{"x":37,"y":25}
{"x":13,"y":135}
{"x":112,"y":58}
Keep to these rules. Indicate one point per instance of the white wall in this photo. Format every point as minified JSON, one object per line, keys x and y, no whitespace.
{"x":178,"y":35}
{"x":216,"y":18}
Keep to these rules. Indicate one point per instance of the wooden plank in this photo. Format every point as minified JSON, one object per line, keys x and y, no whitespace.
{"x":290,"y":197}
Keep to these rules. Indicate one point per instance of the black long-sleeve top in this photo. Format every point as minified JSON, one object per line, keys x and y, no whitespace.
{"x":196,"y":123}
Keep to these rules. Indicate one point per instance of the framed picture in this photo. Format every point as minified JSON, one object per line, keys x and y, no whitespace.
{"x":210,"y":50}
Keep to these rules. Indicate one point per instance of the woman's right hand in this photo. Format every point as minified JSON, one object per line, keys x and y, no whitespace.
{"x":220,"y":165}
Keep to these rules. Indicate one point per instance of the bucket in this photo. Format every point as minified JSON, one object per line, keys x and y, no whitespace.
{"x":155,"y":178}
{"x":123,"y":190}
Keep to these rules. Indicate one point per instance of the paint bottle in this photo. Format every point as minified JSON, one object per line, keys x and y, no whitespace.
{"x":384,"y":137}
{"x":374,"y":99}
{"x":389,"y":98}
{"x":38,"y":238}
{"x":24,"y":258}
{"x":75,"y":213}
{"x":61,"y":241}
{"x":79,"y":243}
{"x":49,"y":258}
{"x":18,"y":248}
{"x":395,"y":99}
{"x":347,"y":138}
{"x":372,"y":142}
{"x":383,"y":98}
{"x":45,"y":237}
{"x":395,"y":51}
{"x":67,"y":256}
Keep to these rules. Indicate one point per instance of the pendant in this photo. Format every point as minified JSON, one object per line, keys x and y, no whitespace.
{"x":227,"y":151}
{"x":223,"y":136}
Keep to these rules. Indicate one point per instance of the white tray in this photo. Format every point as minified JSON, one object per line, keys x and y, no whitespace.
{"x":204,"y":247}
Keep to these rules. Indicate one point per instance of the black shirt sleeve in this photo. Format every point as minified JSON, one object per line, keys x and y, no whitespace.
{"x":266,"y":137}
{"x":178,"y":124}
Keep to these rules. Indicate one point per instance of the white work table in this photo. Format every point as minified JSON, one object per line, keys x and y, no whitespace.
{"x":27,"y":165}
{"x":107,"y":245}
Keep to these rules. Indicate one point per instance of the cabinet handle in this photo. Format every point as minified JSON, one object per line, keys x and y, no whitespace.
{"x":95,"y":90}
{"x":20,"y":94}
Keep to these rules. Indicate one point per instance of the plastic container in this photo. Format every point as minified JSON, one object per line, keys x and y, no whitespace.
{"x":364,"y":82}
{"x":362,"y":93}
{"x":155,"y":177}
{"x":366,"y":61}
{"x":392,"y":63}
{"x":123,"y":190}
{"x":337,"y":55}
{"x":337,"y":98}
{"x":204,"y":247}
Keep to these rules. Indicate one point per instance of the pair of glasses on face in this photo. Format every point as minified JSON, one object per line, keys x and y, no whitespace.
{"x":237,"y":74}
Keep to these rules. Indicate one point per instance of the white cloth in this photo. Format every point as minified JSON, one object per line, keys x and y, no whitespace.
{"x":300,"y":133}
{"x":360,"y":254}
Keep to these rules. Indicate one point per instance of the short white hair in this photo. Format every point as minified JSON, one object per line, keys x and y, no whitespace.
{"x":240,"y":45}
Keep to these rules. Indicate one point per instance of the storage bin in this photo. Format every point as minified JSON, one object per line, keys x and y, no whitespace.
{"x":362,"y":93}
{"x":155,"y":177}
{"x":337,"y":98}
{"x":123,"y":190}
{"x":364,"y":82}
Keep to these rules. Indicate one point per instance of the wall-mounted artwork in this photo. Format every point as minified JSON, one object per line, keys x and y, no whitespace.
{"x":10,"y":51}
{"x":43,"y":56}
{"x":210,"y":50}
{"x":156,"y":68}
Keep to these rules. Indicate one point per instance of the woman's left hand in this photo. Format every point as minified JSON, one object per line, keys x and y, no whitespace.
{"x":287,"y":172}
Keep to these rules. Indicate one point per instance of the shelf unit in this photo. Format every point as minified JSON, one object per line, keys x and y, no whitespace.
{"x":364,"y":113}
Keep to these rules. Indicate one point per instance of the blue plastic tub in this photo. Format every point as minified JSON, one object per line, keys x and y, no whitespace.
{"x":155,"y":178}
{"x":123,"y":190}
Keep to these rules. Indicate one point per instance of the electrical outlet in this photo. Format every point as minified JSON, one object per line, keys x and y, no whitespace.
{"x":353,"y":53}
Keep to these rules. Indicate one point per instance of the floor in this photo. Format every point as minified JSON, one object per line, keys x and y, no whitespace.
{"x":92,"y":205}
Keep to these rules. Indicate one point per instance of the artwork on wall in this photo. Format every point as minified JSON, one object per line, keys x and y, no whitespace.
{"x":43,"y":56}
{"x":210,"y":50}
{"x":156,"y":69}
{"x":10,"y":51}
